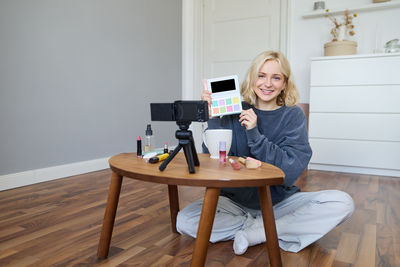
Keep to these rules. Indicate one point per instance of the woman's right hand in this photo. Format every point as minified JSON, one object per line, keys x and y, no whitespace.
{"x":206,"y":96}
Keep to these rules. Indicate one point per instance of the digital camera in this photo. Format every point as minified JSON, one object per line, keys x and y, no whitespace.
{"x":181,"y":111}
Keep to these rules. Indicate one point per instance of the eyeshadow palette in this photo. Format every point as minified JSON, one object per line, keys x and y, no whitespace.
{"x":227,"y":105}
{"x":225,"y":95}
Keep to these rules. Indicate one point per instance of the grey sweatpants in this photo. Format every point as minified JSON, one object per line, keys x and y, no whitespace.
{"x":300,"y":219}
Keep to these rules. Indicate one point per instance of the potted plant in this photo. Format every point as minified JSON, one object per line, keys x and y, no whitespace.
{"x":340,"y":45}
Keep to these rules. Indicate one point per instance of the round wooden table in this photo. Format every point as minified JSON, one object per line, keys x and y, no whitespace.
{"x":209,"y":174}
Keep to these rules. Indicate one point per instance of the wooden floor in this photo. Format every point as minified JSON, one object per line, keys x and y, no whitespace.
{"x":58,"y":223}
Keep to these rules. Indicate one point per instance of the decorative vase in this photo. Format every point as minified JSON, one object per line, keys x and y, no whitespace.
{"x":340,"y":48}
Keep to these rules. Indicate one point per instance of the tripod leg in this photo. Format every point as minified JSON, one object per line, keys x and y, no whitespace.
{"x":189,"y":156}
{"x":170,"y":157}
{"x":193,"y":147}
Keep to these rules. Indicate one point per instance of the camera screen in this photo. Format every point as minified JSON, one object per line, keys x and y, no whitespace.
{"x":223,"y":86}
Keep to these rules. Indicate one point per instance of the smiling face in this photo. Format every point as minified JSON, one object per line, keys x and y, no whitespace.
{"x":269,"y":84}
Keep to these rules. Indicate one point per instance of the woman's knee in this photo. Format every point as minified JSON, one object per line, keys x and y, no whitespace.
{"x":343,"y":200}
{"x":228,"y":219}
{"x":188,"y":219}
{"x":184,"y":226}
{"x":348,"y":203}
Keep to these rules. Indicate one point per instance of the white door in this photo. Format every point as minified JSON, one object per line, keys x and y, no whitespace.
{"x":235,"y":31}
{"x":221,"y":37}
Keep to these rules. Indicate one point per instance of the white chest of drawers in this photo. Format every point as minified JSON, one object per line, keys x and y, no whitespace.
{"x":355,"y":114}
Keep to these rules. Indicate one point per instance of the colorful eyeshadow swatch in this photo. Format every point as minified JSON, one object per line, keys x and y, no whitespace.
{"x":226,"y":105}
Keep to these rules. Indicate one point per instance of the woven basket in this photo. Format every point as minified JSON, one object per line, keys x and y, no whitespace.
{"x":340,"y":48}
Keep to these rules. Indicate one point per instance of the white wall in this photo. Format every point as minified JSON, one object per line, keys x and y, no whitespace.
{"x":308,"y":35}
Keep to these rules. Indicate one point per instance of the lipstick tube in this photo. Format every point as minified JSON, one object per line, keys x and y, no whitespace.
{"x":139,"y":147}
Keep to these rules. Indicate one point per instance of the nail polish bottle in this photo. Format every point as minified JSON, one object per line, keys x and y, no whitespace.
{"x":222,"y":152}
{"x":165,"y":147}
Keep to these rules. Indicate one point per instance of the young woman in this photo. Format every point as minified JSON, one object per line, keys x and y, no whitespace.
{"x":270,"y":128}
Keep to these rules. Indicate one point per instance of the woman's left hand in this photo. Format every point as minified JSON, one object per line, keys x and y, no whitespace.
{"x":248,"y":119}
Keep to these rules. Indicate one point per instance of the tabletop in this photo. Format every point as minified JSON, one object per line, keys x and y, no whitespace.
{"x":210,"y":173}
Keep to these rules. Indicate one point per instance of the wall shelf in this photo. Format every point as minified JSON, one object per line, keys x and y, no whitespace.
{"x":368,"y":7}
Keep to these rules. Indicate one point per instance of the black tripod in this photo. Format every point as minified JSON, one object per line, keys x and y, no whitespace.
{"x":186,"y":142}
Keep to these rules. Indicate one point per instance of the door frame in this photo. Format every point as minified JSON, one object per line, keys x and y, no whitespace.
{"x":192,"y":39}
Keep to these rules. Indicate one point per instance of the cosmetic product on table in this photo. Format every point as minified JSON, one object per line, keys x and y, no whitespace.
{"x":165,"y":147}
{"x":149,"y":139}
{"x":147,"y":156}
{"x":235,"y":165}
{"x":158,"y":158}
{"x":250,"y":163}
{"x":222,"y":152}
{"x":139,"y":147}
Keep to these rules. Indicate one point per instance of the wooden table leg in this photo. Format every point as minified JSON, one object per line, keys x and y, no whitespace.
{"x":109,"y":215}
{"x":173,"y":205}
{"x":269,"y":226}
{"x":205,"y":226}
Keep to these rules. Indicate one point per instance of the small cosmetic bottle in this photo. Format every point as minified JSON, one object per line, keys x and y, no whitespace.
{"x":149,"y":139}
{"x":222,"y":152}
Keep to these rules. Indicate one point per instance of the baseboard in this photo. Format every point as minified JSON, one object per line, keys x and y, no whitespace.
{"x":350,"y":169}
{"x":19,"y":179}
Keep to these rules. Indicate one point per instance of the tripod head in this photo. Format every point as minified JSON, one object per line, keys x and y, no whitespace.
{"x":183,"y":125}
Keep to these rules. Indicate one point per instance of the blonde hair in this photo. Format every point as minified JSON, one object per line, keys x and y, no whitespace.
{"x":289,"y":95}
